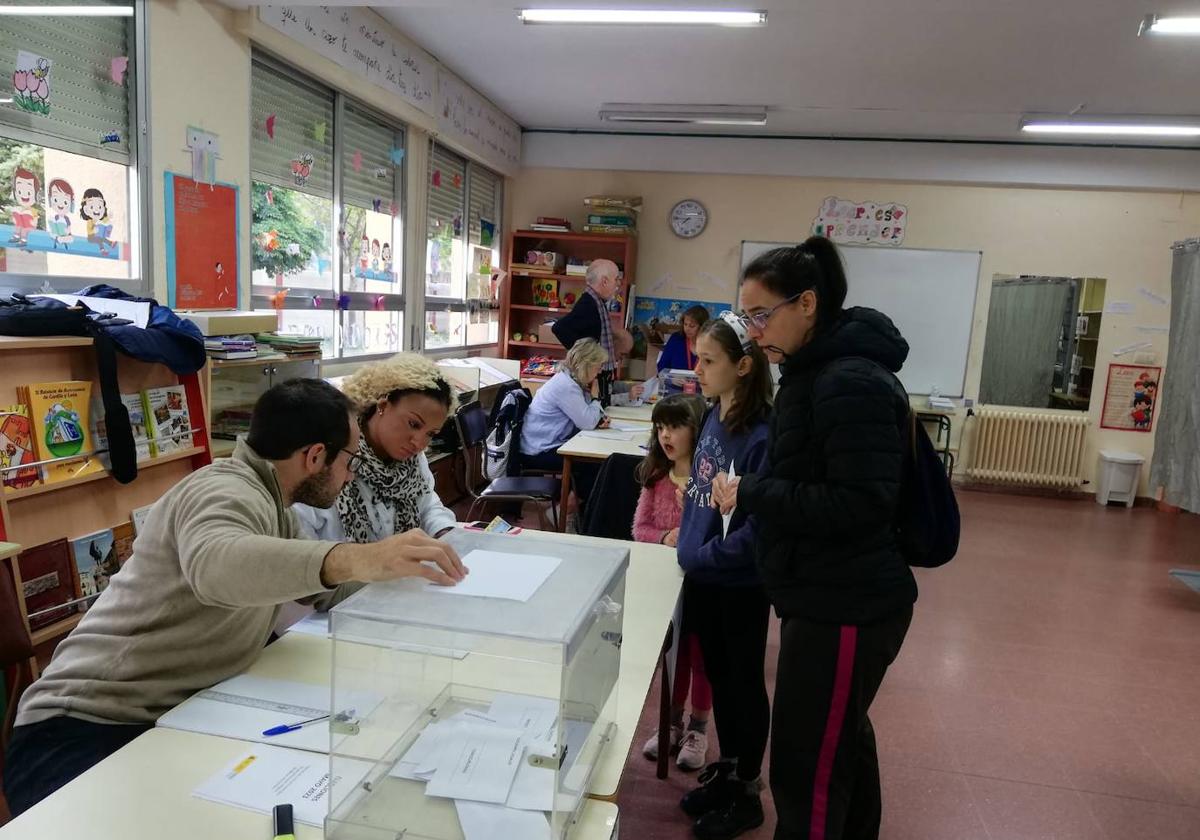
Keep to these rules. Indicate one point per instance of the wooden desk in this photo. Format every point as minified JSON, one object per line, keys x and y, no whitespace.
{"x":587,"y":447}
{"x":144,"y":792}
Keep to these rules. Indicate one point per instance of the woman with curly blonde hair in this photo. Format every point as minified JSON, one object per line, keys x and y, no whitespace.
{"x":402,"y":403}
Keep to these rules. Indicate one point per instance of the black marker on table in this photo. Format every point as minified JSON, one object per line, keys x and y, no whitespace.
{"x":284,"y":828}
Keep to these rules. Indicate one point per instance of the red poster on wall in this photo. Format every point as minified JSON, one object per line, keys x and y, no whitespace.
{"x":1131,"y":398}
{"x":202,"y":232}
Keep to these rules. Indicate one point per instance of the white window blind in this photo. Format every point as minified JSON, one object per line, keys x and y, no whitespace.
{"x":302,"y":126}
{"x":447,"y":189}
{"x":87,"y":108}
{"x":484,"y":201}
{"x":368,"y":169}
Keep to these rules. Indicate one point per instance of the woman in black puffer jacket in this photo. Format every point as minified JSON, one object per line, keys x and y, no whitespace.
{"x":825,"y":506}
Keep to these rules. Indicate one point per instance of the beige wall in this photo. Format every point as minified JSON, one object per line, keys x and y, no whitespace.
{"x":199,"y":74}
{"x":1121,"y":236}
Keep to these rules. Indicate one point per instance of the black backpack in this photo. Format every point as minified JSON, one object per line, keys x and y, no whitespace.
{"x":927,"y":519}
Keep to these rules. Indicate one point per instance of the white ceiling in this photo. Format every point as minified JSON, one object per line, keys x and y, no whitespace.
{"x":942,"y":69}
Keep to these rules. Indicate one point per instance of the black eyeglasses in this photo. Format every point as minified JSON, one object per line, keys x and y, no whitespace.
{"x":354,"y":461}
{"x":759,"y":319}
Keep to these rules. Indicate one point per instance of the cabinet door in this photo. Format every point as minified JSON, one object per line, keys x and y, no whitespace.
{"x":282,"y":371}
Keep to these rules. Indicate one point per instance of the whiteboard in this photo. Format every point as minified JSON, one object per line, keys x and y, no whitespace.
{"x":930,"y":295}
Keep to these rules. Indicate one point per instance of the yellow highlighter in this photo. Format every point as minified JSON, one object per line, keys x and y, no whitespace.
{"x":284,"y":829}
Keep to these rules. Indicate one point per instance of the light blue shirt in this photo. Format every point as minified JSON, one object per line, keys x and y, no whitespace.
{"x":559,"y":409}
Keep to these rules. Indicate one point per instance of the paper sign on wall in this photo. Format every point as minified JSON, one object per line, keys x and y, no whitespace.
{"x":1131,"y":398}
{"x":205,"y":147}
{"x":202,"y":244}
{"x":861,"y":223}
{"x":31,"y":83}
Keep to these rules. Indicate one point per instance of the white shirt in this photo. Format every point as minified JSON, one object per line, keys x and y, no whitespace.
{"x":325,"y":524}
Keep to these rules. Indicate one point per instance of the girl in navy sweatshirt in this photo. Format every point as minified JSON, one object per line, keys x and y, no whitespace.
{"x":721,"y":583}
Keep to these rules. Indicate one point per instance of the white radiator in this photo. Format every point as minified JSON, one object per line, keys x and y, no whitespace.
{"x":1035,"y":449}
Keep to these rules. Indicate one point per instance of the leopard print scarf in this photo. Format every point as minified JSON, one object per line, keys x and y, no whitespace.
{"x":397,"y":484}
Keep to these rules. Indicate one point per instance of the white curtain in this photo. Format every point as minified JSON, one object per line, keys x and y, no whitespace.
{"x":1176,"y":463}
{"x":1024,"y":326}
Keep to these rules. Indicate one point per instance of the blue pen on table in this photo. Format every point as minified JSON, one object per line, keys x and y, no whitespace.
{"x":284,"y":728}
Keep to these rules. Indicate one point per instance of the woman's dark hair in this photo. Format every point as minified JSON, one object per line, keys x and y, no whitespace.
{"x":673,"y":411}
{"x":439,"y":393}
{"x":752,"y":397}
{"x":299,"y":413}
{"x":697,"y":313}
{"x":813,"y":264}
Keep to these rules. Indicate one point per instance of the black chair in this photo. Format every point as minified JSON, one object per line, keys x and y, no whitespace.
{"x":472,"y":423}
{"x":613,"y":499}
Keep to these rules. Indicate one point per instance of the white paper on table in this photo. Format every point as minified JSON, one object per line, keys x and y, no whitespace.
{"x":727,"y":517}
{"x":533,"y":787}
{"x":478,"y":762}
{"x":481,"y":821}
{"x":234,"y":717}
{"x":130,"y":310}
{"x":499,"y":574}
{"x":607,"y":434}
{"x":265,"y":776}
{"x":626,"y":426}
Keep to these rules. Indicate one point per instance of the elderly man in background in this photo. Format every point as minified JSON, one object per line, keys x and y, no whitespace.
{"x":589,"y":319}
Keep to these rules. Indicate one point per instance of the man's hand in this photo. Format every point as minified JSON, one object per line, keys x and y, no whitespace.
{"x":636,"y":391}
{"x":724,"y":493}
{"x":399,"y":556}
{"x":604,"y":423}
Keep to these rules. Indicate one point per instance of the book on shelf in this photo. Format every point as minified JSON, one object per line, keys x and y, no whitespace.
{"x":135,"y":405}
{"x":138,"y":518}
{"x":16,"y":448}
{"x":611,"y":220}
{"x":60,"y":413}
{"x":232,"y":355}
{"x":95,"y":562}
{"x":626,"y":202}
{"x":550,"y":228}
{"x":554,"y":221}
{"x":619,"y":230}
{"x":167,"y":419}
{"x":47,"y":582}
{"x":291,"y":345}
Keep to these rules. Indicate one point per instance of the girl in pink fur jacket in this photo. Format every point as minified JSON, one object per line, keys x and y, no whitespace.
{"x":663,"y":474}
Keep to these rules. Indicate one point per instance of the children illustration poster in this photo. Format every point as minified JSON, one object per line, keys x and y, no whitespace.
{"x":1131,"y":398}
{"x":55,"y":214}
{"x":202,"y":232}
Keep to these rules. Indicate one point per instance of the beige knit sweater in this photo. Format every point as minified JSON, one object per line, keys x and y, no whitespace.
{"x":194,"y":605}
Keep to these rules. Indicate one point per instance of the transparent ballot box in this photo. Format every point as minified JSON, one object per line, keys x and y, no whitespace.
{"x":457,"y":715}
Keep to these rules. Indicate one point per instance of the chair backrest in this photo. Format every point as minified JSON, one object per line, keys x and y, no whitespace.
{"x":472,"y":424}
{"x":613,"y":499}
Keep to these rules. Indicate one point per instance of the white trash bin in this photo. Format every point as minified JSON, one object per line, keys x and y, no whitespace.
{"x":1117,"y":477}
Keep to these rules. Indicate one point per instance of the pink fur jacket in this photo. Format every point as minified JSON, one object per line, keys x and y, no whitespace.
{"x":657,"y":512}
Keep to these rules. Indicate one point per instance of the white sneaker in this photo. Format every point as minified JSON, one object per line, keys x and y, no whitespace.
{"x":692,"y":750}
{"x":650,"y":750}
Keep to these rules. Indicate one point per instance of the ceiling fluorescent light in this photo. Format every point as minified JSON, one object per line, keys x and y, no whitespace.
{"x":1155,"y":25}
{"x":68,"y":11}
{"x":1113,"y":126}
{"x":675,"y":17}
{"x":686,"y":114}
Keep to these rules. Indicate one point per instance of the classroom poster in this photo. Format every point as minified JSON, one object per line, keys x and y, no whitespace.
{"x":202,"y":231}
{"x":1131,"y":398}
{"x":861,"y":222}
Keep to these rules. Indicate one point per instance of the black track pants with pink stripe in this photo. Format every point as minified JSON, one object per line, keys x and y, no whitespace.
{"x":824,"y":770}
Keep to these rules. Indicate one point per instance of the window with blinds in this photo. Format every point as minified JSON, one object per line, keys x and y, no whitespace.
{"x":445,"y":266}
{"x":62,"y":70}
{"x":291,"y":124}
{"x":371,"y":154}
{"x":484,"y":203}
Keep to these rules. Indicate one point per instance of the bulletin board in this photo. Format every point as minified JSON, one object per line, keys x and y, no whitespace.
{"x":1130,"y":398}
{"x":202,"y":233}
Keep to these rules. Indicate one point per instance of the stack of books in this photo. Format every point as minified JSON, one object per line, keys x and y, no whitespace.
{"x":551,"y":224}
{"x":614,"y":214}
{"x":291,"y":345}
{"x":231,"y":347}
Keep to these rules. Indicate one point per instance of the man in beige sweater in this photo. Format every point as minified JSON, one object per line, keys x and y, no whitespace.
{"x":195,"y":604}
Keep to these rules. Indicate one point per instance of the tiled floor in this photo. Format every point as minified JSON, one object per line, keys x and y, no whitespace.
{"x":1049,"y":687}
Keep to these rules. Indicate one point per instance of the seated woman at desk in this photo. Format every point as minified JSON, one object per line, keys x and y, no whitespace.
{"x":679,"y":353}
{"x":561,"y":408}
{"x":403,"y":402}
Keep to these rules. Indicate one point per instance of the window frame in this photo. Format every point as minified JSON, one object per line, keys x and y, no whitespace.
{"x":138,"y":180}
{"x":358,"y":301}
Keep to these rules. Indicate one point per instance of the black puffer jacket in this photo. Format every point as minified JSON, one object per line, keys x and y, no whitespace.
{"x":826,"y":501}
